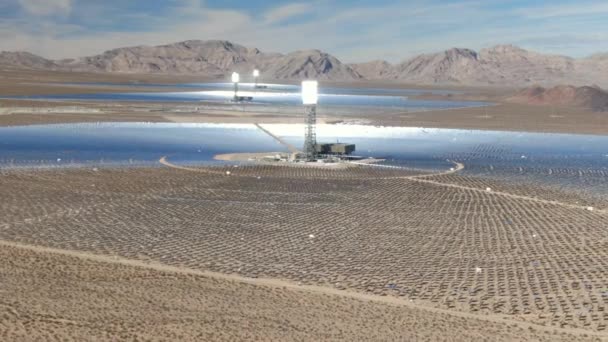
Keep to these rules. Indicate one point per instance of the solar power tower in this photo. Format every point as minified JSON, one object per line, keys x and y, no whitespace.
{"x":309,"y":100}
{"x":256,"y":75}
{"x":235,"y":79}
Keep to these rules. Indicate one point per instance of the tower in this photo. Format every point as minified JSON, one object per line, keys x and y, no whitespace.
{"x":309,"y":100}
{"x":235,"y":80}
{"x":256,"y":75}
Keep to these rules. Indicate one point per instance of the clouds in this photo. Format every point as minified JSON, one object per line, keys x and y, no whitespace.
{"x":46,"y":7}
{"x":282,"y":13}
{"x":566,"y":10}
{"x":354,"y":31}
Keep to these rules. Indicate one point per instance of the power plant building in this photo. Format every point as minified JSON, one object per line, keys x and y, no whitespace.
{"x":335,"y":149}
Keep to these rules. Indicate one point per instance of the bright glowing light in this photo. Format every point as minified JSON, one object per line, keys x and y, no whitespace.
{"x":235,"y":77}
{"x":310,"y":92}
{"x":256,"y":73}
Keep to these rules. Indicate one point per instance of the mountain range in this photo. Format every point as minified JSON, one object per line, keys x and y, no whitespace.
{"x":502,"y":65}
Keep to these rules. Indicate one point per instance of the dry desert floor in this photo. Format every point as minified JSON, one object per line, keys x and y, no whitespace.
{"x":64,"y":296}
{"x":528,"y":261}
{"x":286,"y":253}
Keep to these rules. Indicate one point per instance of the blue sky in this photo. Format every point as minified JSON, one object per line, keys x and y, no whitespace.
{"x":354,"y":31}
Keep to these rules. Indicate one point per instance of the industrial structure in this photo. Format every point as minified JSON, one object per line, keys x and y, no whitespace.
{"x":309,"y":100}
{"x":256,"y":75}
{"x":314,"y":151}
{"x":337,"y":149}
{"x":235,"y":80}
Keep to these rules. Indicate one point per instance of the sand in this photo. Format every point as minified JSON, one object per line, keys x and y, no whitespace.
{"x":57,"y":295}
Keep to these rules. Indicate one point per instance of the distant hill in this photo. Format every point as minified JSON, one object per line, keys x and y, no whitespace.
{"x":26,"y":60}
{"x":309,"y":64}
{"x":587,"y":97}
{"x":502,"y":65}
{"x":375,"y":70}
{"x":451,"y":66}
{"x":209,"y":58}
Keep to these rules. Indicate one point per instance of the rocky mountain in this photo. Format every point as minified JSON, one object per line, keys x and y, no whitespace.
{"x":502,"y":65}
{"x":214,"y":58}
{"x":375,"y":70}
{"x":451,"y":66}
{"x":175,"y":58}
{"x":596,"y":64}
{"x":514,"y":65}
{"x":211,"y":58}
{"x":309,"y":64}
{"x":26,"y":60}
{"x":565,"y":95}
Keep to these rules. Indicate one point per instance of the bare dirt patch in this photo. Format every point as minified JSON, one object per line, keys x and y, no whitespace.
{"x":48,"y":295}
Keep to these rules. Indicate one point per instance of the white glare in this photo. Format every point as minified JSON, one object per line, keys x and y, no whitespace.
{"x":235,"y":77}
{"x":310,"y":92}
{"x":256,"y":73}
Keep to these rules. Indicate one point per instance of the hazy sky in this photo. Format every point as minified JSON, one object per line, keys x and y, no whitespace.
{"x":352,"y":30}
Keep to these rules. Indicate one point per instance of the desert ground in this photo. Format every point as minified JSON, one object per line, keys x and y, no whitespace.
{"x":59,"y":295}
{"x":294,"y":253}
{"x":509,"y":255}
